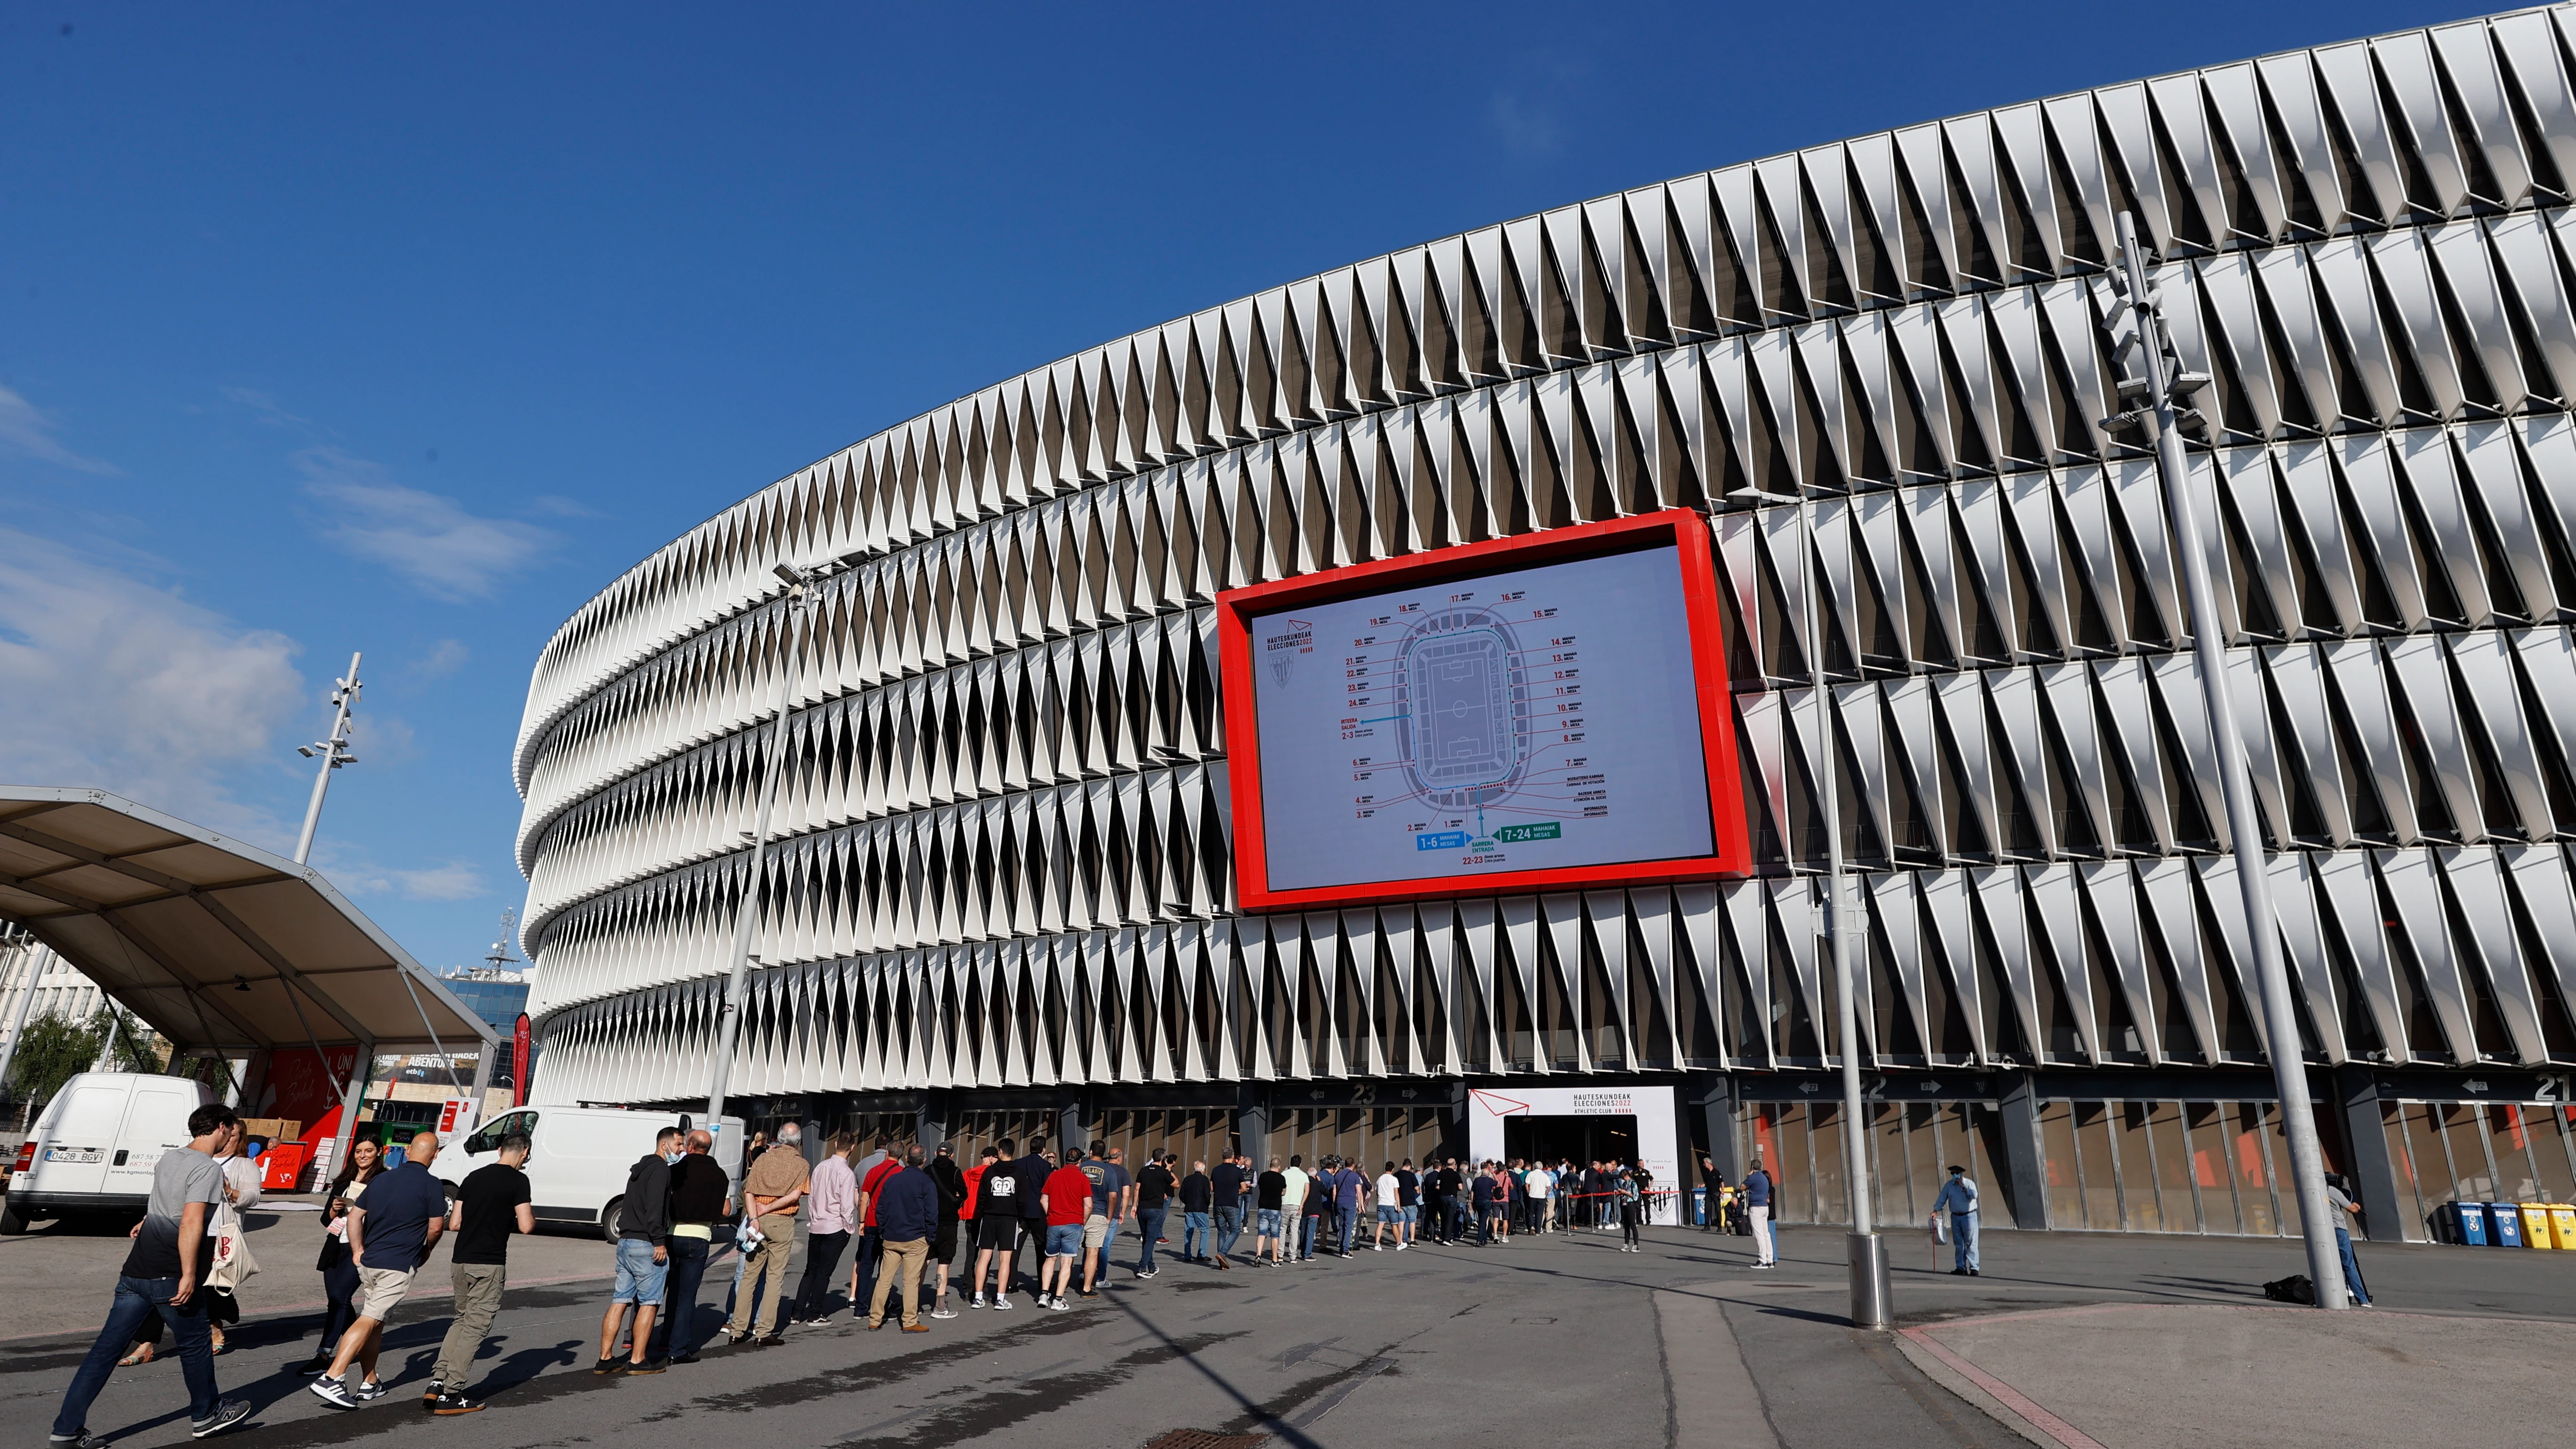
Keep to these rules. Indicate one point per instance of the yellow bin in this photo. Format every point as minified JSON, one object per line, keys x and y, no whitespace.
{"x":2535,"y":1226}
{"x":2562,"y":1221}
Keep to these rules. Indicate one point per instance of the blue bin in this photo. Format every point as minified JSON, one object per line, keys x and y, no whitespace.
{"x":1699,"y":1207}
{"x":2464,"y":1223}
{"x":2504,"y":1225}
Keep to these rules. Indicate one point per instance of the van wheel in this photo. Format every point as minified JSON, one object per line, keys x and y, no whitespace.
{"x":11,"y":1225}
{"x":608,"y":1219}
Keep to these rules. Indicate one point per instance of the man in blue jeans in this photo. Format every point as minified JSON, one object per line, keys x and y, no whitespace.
{"x":1348,"y":1183}
{"x":1231,"y":1180}
{"x":160,"y":1276}
{"x":1154,"y":1188}
{"x":2346,"y":1210}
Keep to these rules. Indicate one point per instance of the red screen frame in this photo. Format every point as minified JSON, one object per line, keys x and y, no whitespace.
{"x":1731,"y":854}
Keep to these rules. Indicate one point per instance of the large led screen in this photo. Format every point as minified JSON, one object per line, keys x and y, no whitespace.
{"x":1480,"y":726}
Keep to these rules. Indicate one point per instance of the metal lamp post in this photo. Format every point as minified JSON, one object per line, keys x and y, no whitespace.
{"x":747,"y":911}
{"x":2152,"y":387}
{"x":1866,"y":1251}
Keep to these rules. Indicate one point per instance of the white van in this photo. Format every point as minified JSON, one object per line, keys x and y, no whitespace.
{"x":96,"y":1145}
{"x":578,"y":1157}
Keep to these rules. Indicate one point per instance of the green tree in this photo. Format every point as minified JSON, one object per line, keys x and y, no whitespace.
{"x":129,"y":1049}
{"x":52,"y":1052}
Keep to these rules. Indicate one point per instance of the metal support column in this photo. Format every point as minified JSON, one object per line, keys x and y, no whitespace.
{"x":2373,"y":1175}
{"x":353,"y":1099}
{"x":2023,"y":1164}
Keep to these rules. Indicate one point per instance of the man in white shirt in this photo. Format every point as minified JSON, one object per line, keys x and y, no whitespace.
{"x":1292,"y":1206}
{"x":1540,"y":1183}
{"x":1390,"y":1213}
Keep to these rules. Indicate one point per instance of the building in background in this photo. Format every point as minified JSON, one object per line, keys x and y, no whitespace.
{"x":1003,"y":897}
{"x":35,"y":983}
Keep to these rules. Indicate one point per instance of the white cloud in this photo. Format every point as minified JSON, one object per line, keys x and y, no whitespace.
{"x":444,"y":658}
{"x":455,"y":881}
{"x":28,"y":433}
{"x":353,"y":870}
{"x":443,"y":550}
{"x":111,"y":682}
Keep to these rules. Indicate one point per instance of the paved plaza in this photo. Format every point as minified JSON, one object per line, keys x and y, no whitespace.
{"x":1682,"y":1344}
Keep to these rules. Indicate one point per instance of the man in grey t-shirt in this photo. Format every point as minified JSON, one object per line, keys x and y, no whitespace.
{"x":171,"y":1254}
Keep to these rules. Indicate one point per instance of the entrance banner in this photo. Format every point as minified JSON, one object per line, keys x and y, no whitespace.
{"x":1655,"y":1108}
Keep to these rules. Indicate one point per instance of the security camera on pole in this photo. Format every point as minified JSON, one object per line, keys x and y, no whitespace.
{"x":747,"y":911}
{"x":2154,"y":393}
{"x":333,"y":752}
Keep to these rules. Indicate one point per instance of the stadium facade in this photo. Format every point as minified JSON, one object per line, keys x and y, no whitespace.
{"x":1002,"y":896}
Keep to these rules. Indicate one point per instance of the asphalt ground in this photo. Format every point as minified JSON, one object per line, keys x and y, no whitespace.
{"x":1681,"y":1344}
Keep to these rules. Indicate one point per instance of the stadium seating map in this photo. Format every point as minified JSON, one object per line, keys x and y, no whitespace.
{"x":1539,"y":718}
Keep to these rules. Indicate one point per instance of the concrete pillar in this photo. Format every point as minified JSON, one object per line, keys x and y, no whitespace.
{"x":1252,"y":1126}
{"x":2024,"y":1164}
{"x":1711,"y":1096}
{"x":930,"y":1126}
{"x":1070,"y":1130}
{"x":2367,"y":1165}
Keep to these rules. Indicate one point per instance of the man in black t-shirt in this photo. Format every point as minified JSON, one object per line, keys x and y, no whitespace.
{"x":1032,"y":1171}
{"x":1448,"y":1184}
{"x":998,"y":1194}
{"x":1154,"y":1187}
{"x":493,"y":1204}
{"x":1270,"y":1192}
{"x":1229,"y":1186}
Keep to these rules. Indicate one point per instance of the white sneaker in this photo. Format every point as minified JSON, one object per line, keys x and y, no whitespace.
{"x":1400,"y":1247}
{"x":977,"y":1302}
{"x":1001,"y":1301}
{"x":943,"y":1313}
{"x":1058,"y":1304}
{"x":1377,"y":1247}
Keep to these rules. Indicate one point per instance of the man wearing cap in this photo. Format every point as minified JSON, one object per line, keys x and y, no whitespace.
{"x":1959,"y":1199}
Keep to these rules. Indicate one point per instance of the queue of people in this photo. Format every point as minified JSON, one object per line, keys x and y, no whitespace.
{"x":1028,"y":1221}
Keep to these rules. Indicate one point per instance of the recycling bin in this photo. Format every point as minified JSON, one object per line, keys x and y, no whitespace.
{"x":2463,"y":1223}
{"x":2535,"y":1225}
{"x":2562,"y":1225}
{"x":2504,"y":1225}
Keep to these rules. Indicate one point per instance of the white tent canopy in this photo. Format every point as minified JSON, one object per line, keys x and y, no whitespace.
{"x":220,"y":946}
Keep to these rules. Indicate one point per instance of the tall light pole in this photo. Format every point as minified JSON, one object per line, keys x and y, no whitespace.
{"x":1866,"y":1252}
{"x":333,"y":752}
{"x":747,"y":912}
{"x":2152,"y":388}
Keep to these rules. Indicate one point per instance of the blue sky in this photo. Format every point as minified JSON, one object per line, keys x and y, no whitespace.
{"x":345,"y":328}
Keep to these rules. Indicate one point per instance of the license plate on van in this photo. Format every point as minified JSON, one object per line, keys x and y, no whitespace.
{"x":75,"y":1154}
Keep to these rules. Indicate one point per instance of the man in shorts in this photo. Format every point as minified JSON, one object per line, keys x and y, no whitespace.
{"x":1031,"y":1168}
{"x":1270,"y":1190}
{"x":1389,"y":1213}
{"x":643,"y":1257}
{"x":1113,"y":1192}
{"x":997,"y":1224}
{"x":1066,"y":1199}
{"x":390,"y":1233}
